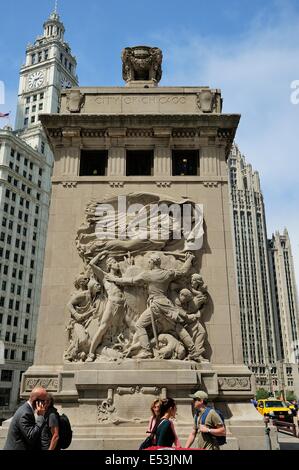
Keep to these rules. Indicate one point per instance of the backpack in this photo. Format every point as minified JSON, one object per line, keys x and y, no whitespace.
{"x":221,"y":440}
{"x":65,"y":432}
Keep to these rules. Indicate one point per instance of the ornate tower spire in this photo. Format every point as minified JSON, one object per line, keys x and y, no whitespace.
{"x":53,"y":27}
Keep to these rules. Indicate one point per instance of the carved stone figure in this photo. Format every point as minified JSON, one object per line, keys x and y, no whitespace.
{"x":83,"y":307}
{"x":142,"y":63}
{"x":115,"y":302}
{"x":137,"y":297}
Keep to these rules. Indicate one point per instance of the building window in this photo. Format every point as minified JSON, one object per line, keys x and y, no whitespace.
{"x":14,"y":337}
{"x":33,"y":119}
{"x":7,"y":336}
{"x":19,"y":290}
{"x":93,"y":163}
{"x":6,"y":375}
{"x":27,"y":323}
{"x":26,"y":122}
{"x":5,"y":393}
{"x":10,"y":304}
{"x":25,"y":339}
{"x":34,"y":108}
{"x":12,"y":355}
{"x":40,"y":106}
{"x":24,"y":356}
{"x":28,"y":308}
{"x":46,"y":54}
{"x":4,"y":222}
{"x":8,"y":322}
{"x":27,"y":110}
{"x":139,"y":162}
{"x":185,"y":162}
{"x":34,"y":97}
{"x":15,"y":321}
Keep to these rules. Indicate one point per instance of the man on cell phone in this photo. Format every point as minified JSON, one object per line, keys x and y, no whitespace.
{"x":25,"y":428}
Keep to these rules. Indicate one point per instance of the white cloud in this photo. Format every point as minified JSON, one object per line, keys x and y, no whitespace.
{"x":255,"y":75}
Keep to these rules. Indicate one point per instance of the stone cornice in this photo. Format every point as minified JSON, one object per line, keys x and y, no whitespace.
{"x":221,"y":121}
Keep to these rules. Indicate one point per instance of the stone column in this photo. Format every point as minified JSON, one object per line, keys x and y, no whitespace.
{"x":212,"y":161}
{"x":117,"y":161}
{"x":162,"y":161}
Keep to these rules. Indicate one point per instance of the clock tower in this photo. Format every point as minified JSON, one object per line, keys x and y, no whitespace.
{"x":49,"y":67}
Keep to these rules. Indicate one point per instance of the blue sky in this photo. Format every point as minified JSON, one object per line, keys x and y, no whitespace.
{"x":249,"y":49}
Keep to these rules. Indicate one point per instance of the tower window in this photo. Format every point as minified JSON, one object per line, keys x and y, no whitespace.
{"x":46,"y":54}
{"x":93,"y":162}
{"x":185,"y":162}
{"x":33,"y":59}
{"x":65,"y":62}
{"x":70,"y":67}
{"x":40,"y":56}
{"x":34,"y":97}
{"x":61,"y":57}
{"x":41,"y":96}
{"x":139,"y":162}
{"x":28,"y":99}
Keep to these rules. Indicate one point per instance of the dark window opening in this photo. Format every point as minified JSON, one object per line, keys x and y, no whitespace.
{"x":140,"y":162}
{"x":185,"y":162}
{"x":93,"y":163}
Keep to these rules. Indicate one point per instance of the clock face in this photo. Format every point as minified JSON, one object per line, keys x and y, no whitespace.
{"x":36,"y":80}
{"x":65,"y":83}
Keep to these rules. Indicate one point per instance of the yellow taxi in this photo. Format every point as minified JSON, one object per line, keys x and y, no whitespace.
{"x":276,"y":409}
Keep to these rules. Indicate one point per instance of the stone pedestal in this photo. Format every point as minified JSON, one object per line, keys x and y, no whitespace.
{"x":108,"y":404}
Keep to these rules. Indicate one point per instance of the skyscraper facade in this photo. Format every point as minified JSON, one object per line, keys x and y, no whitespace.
{"x":266,"y":284}
{"x":26,"y":163}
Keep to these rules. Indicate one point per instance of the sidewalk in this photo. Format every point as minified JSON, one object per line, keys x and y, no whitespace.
{"x":287,"y":442}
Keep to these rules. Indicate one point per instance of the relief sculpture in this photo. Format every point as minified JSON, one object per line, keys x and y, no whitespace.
{"x":138,"y":296}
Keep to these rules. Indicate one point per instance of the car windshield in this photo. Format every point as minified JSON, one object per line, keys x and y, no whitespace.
{"x":275,"y":404}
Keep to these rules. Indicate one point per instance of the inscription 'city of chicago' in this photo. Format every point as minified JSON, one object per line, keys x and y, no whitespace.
{"x":108,"y":100}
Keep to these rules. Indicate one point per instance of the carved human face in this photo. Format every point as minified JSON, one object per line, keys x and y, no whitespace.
{"x":184,"y":297}
{"x":114,"y":266}
{"x":151,"y":264}
{"x":196,"y":282}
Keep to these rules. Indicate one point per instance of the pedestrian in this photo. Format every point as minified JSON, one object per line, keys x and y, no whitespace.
{"x":166,"y":434}
{"x":155,"y":409}
{"x":207,"y":431}
{"x":25,"y":428}
{"x":50,"y":432}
